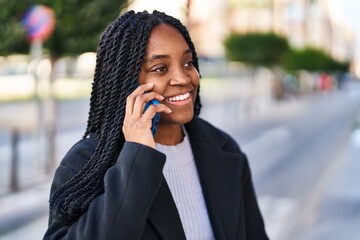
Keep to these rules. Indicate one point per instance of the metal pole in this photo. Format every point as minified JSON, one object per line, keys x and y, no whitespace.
{"x":14,"y":183}
{"x":36,"y":52}
{"x":51,"y":124}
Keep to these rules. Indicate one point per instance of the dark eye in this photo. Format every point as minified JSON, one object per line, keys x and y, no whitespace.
{"x":189,"y":63}
{"x":160,"y":69}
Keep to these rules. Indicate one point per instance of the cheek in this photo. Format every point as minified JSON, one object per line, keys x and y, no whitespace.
{"x":145,"y":79}
{"x":197,"y":73}
{"x":195,"y":78}
{"x":160,"y":89}
{"x":194,"y":73}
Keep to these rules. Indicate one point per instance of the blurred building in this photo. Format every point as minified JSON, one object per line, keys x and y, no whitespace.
{"x":303,"y":22}
{"x":205,"y":20}
{"x":176,"y":8}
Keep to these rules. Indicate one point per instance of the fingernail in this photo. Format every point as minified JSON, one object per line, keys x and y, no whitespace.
{"x":169,"y":110}
{"x":162,"y":97}
{"x":149,"y":84}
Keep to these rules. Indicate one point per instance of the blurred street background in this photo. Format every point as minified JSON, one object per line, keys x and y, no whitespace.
{"x":280,"y":76}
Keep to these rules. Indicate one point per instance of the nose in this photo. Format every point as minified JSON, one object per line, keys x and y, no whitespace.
{"x":179,"y":77}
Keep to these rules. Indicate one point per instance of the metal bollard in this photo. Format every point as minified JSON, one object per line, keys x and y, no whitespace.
{"x":14,"y":183}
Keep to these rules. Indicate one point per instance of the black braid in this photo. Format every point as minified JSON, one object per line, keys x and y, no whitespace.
{"x":120,"y":55}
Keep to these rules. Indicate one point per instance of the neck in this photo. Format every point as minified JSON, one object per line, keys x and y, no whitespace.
{"x":169,"y":134}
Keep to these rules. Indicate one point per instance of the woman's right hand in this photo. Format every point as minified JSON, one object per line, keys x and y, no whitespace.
{"x":137,"y":123}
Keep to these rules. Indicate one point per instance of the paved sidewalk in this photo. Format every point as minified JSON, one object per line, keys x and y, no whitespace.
{"x":33,"y":230}
{"x":20,"y":208}
{"x":339,"y":214}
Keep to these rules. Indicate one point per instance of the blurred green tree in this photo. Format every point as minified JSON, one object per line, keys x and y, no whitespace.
{"x":79,"y":24}
{"x":257,"y":49}
{"x":312,"y":60}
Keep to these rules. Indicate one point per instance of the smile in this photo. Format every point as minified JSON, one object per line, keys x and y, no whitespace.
{"x":179,"y":97}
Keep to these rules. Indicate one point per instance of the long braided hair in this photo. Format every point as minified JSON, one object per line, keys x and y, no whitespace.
{"x":120,"y":55}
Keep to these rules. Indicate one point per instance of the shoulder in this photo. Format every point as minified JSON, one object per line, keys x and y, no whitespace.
{"x":79,"y":154}
{"x":73,"y":161}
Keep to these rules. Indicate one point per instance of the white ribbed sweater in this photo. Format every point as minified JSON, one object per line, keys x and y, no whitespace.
{"x":182,"y":177}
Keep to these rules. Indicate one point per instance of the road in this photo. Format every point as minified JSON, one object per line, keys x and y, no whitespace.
{"x":296,"y":150}
{"x":294,"y":155}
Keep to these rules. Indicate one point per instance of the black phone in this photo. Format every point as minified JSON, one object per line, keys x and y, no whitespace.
{"x":156,"y":119}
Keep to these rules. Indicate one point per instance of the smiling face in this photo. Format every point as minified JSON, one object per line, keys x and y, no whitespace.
{"x":168,"y":64}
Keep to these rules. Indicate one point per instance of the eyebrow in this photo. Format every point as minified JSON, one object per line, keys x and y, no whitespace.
{"x":162,"y":56}
{"x":155,"y":57}
{"x":188,"y":51}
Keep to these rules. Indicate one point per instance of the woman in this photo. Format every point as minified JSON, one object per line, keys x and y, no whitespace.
{"x":188,"y":181}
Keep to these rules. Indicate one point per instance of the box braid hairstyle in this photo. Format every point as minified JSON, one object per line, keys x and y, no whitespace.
{"x":120,"y":56}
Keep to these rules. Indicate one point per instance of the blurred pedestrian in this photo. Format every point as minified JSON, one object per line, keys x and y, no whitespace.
{"x":188,"y":181}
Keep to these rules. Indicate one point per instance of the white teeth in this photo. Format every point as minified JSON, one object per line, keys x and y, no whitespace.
{"x":179,"y":97}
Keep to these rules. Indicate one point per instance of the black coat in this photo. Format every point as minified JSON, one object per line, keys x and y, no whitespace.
{"x":137,"y":203}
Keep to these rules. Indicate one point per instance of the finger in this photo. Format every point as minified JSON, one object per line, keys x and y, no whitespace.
{"x":141,"y":101}
{"x":130,"y":100}
{"x":149,"y":114}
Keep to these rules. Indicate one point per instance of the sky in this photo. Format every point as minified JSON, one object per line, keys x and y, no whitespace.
{"x":347,"y":12}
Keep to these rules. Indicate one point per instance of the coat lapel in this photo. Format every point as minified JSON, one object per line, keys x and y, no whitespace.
{"x":219,"y":174}
{"x":164,"y":215}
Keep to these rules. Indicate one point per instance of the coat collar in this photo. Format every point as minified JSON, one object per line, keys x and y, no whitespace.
{"x":219,"y":173}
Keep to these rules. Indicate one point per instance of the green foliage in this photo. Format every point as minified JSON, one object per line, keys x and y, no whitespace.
{"x":258,"y":49}
{"x":12,"y":34}
{"x":312,"y":59}
{"x":79,"y":24}
{"x":268,"y":49}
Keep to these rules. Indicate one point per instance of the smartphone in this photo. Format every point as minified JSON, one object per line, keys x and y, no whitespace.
{"x":156,"y":119}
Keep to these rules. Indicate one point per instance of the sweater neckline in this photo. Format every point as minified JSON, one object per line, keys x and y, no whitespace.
{"x":177,"y":155}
